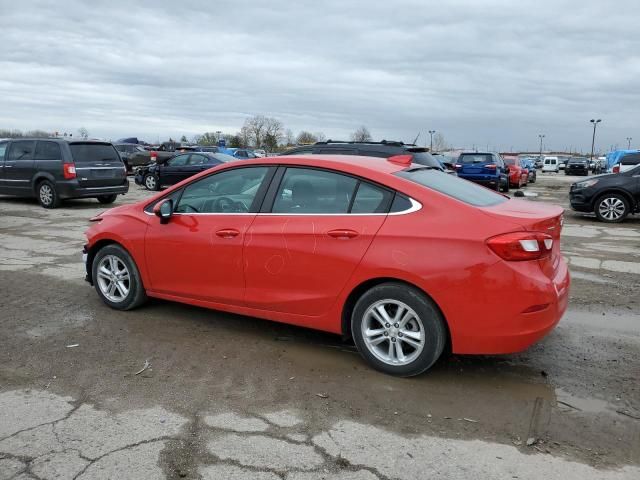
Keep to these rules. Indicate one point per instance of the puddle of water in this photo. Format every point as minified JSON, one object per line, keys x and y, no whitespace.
{"x":590,"y":405}
{"x":616,"y":320}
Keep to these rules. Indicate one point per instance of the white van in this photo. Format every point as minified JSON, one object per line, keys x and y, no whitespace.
{"x":550,"y":164}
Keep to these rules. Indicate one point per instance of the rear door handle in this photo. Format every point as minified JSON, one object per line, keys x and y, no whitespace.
{"x":342,"y":233}
{"x":227,"y":233}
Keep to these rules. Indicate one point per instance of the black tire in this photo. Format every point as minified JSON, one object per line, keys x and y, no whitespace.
{"x":435,"y":333}
{"x":151,"y":182}
{"x":107,"y":199}
{"x":47,"y":195}
{"x":611,"y":199}
{"x":136,"y":294}
{"x":533,"y":178}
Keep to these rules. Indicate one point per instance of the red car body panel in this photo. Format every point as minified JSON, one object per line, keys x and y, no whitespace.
{"x":518,"y":175}
{"x":301,"y":269}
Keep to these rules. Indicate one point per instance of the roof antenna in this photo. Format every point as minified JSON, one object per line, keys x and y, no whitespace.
{"x":416,"y":139}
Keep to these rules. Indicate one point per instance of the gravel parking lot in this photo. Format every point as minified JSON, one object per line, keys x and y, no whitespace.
{"x":231,"y":397}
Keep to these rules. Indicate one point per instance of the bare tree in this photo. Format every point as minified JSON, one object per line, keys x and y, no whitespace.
{"x":259,"y":128}
{"x":305,"y":138}
{"x":208,"y":138}
{"x":320,"y":137}
{"x":289,"y":138}
{"x":83,"y":133}
{"x":439,"y":143}
{"x":361,"y":135}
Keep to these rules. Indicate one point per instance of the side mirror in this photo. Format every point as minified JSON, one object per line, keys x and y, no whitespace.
{"x":164,"y":210}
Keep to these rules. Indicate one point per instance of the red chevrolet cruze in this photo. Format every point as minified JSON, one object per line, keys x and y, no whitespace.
{"x":403,"y":258}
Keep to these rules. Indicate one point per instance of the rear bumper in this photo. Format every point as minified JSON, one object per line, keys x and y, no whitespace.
{"x":72,"y":189}
{"x":503,"y":327}
{"x":486,"y":180}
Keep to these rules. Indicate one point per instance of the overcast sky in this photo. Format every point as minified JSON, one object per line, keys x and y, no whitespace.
{"x":482,"y":72}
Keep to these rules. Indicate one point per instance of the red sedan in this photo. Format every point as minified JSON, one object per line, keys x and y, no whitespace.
{"x":518,"y":173}
{"x":403,"y":258}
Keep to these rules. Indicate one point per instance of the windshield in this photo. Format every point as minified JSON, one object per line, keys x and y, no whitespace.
{"x":223,"y":157}
{"x":578,"y":160}
{"x":424,"y":158}
{"x":475,"y":158}
{"x":454,"y":187}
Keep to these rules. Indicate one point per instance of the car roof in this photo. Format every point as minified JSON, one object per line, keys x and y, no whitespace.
{"x":355,"y":164}
{"x":60,"y":140}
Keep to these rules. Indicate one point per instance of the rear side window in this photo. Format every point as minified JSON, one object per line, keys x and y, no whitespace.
{"x":454,"y":187}
{"x":21,"y":151}
{"x":475,"y":158}
{"x":371,"y":199}
{"x":48,"y":151}
{"x":94,"y":152}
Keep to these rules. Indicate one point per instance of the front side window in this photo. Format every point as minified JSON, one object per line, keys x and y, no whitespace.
{"x":463,"y":190}
{"x":48,"y":151}
{"x":178,"y":161}
{"x":230,"y":191}
{"x":307,"y":191}
{"x":3,"y":148}
{"x":21,"y":150}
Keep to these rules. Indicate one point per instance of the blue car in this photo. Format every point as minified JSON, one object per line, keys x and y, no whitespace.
{"x":487,"y":169}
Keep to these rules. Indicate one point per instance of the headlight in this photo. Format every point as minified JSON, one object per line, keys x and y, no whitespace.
{"x":587,"y":183}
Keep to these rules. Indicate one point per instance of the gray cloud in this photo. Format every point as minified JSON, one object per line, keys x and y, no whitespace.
{"x":491,"y":73}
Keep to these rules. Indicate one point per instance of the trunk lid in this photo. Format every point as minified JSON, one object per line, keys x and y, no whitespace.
{"x":534,"y":217}
{"x":98,"y":164}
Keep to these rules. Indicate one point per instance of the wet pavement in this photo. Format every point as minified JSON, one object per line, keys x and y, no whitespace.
{"x":231,"y":397}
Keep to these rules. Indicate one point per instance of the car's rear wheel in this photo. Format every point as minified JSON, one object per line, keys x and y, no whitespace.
{"x":612,"y":208}
{"x":106,"y":199}
{"x":398,"y":329}
{"x":151,"y":182}
{"x":116,"y":278}
{"x":47,"y":195}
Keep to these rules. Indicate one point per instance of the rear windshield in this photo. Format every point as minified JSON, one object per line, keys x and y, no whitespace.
{"x":475,"y":158}
{"x":94,"y":152}
{"x":455,"y":187}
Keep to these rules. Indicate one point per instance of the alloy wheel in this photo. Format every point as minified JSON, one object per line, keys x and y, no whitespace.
{"x":611,"y":208}
{"x":393,"y":332}
{"x":113,"y":278}
{"x":150,"y":182}
{"x":46,"y":194}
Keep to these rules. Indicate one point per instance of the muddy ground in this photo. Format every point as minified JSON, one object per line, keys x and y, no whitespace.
{"x":234,"y":397}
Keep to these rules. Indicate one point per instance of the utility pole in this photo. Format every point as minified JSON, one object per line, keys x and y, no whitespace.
{"x":431,"y":132}
{"x":541,"y":136}
{"x":593,"y":138}
{"x":629,"y":143}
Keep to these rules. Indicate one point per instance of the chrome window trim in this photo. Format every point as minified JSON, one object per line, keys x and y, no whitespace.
{"x":415,"y":206}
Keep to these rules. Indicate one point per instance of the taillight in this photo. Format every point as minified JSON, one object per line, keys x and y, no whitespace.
{"x":490,"y":166}
{"x":69,"y":171}
{"x":457,"y":165}
{"x":154,"y":156}
{"x":616,"y":169}
{"x":520,"y":246}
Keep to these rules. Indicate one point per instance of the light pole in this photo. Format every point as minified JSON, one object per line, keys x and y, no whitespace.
{"x":541,"y":136}
{"x":593,"y":138}
{"x":629,"y":143}
{"x":431,"y":132}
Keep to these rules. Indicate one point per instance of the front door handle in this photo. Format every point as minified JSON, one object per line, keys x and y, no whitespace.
{"x":342,"y":233}
{"x":228,"y":233}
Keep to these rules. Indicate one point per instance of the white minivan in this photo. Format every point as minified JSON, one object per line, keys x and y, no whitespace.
{"x":550,"y":164}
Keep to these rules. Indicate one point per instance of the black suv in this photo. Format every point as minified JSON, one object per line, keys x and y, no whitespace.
{"x":53,"y":169}
{"x":611,"y":197}
{"x":383,"y":149}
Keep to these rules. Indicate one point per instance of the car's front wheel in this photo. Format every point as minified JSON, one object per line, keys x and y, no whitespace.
{"x":612,"y":208}
{"x":151,"y":182}
{"x":398,"y":329}
{"x":107,"y":199}
{"x":116,"y":278}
